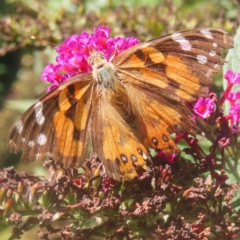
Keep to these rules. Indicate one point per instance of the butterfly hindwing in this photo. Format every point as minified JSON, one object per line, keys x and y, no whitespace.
{"x":156,"y":118}
{"x":114,"y":141}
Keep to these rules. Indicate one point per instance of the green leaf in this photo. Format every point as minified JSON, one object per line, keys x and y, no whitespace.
{"x":94,"y":221}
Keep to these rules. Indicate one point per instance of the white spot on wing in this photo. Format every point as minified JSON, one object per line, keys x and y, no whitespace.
{"x":225,"y":39}
{"x":206,"y":33}
{"x":23,"y":139}
{"x":176,"y":34}
{"x":38,"y":113}
{"x":216,"y":66}
{"x":19,"y":126}
{"x":42,"y":139}
{"x":184,"y":43}
{"x":201,"y":59}
{"x":209,"y":73}
{"x":30,"y":143}
{"x":215,"y":44}
{"x":212,"y":53}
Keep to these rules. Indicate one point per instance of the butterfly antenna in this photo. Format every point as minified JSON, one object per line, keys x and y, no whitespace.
{"x":106,"y":14}
{"x":114,"y":54}
{"x":42,"y":40}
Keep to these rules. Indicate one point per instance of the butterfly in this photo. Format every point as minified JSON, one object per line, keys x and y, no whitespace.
{"x":125,"y":105}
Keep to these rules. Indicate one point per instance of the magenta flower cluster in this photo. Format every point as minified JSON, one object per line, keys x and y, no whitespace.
{"x":204,"y":107}
{"x":74,"y":53}
{"x":233,"y":97}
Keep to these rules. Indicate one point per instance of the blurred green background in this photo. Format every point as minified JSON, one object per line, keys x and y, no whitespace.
{"x":22,"y":59}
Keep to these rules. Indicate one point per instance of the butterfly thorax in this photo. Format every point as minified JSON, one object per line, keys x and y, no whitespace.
{"x":103,"y":72}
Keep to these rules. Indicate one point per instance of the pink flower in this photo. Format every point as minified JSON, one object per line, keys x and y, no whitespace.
{"x":106,"y":184}
{"x":233,"y":97}
{"x":224,"y":141}
{"x":74,"y":53}
{"x":170,"y":159}
{"x":203,"y":107}
{"x":232,"y":77}
{"x":235,"y":112}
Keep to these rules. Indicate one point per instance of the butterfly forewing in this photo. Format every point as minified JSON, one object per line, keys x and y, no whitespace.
{"x":124,"y":106}
{"x":180,"y":63}
{"x":56,"y":125}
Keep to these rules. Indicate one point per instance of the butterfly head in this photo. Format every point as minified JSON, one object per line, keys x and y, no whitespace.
{"x":96,"y":59}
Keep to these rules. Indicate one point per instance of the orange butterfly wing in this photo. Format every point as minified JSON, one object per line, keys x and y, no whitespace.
{"x":114,"y":141}
{"x":56,"y":125}
{"x":178,"y":65}
{"x":157,"y":117}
